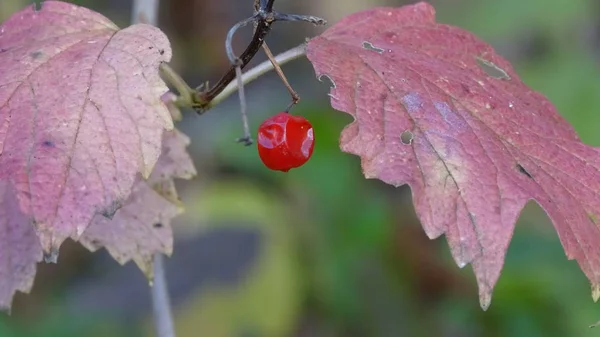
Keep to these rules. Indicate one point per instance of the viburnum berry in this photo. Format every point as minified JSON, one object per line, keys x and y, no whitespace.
{"x":285,"y":141}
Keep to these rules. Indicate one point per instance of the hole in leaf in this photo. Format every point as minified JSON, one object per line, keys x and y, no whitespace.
{"x":371,"y":47}
{"x":332,"y":83}
{"x":491,"y":69}
{"x":407,"y":137}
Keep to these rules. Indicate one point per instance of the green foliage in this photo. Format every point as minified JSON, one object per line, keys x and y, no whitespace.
{"x":268,"y":299}
{"x":512,"y":18}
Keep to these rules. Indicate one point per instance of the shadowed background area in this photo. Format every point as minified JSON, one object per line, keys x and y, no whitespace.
{"x":320,"y":251}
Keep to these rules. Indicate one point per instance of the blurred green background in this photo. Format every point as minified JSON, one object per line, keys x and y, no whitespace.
{"x":320,"y":251}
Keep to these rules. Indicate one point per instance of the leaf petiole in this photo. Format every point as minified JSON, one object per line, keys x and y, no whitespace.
{"x":186,"y":98}
{"x":259,"y":70}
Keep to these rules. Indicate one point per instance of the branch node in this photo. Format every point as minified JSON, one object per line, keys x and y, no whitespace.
{"x":202,"y":97}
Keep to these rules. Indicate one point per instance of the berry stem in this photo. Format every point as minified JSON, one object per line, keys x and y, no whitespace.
{"x":263,"y":18}
{"x":228,"y":48}
{"x":258,"y":71}
{"x":247,"y":139}
{"x":185,"y":98}
{"x":203,"y":98}
{"x":293,"y":93}
{"x":263,"y":27}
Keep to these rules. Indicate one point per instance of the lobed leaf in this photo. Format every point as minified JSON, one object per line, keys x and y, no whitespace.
{"x":20,"y":249}
{"x":438,"y":109}
{"x":80,"y":114}
{"x":142,"y":226}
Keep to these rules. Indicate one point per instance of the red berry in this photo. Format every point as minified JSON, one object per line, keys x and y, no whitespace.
{"x":285,"y":141}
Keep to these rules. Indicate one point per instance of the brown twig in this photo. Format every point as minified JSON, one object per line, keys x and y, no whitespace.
{"x":264,"y":17}
{"x":203,"y":98}
{"x":277,"y":68}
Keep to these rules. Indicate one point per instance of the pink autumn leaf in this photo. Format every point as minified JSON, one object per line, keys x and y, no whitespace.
{"x":170,"y":100}
{"x":20,"y":248}
{"x":142,"y":226}
{"x":80,"y":114}
{"x":437,"y":109}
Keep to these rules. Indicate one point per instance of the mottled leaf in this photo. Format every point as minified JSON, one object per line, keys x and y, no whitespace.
{"x":142,"y":226}
{"x":80,"y":114}
{"x":20,"y":248}
{"x":438,"y":109}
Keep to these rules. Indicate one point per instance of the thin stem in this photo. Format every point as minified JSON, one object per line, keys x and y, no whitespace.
{"x":258,"y":4}
{"x":203,"y":98}
{"x":247,"y":139}
{"x":269,"y":6}
{"x":258,"y":71}
{"x":293,"y":93}
{"x":263,"y":6}
{"x":262,"y":29}
{"x":186,"y":94}
{"x":228,"y":41}
{"x":146,"y":11}
{"x":161,"y":304}
{"x":265,"y":17}
{"x":315,"y":20}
